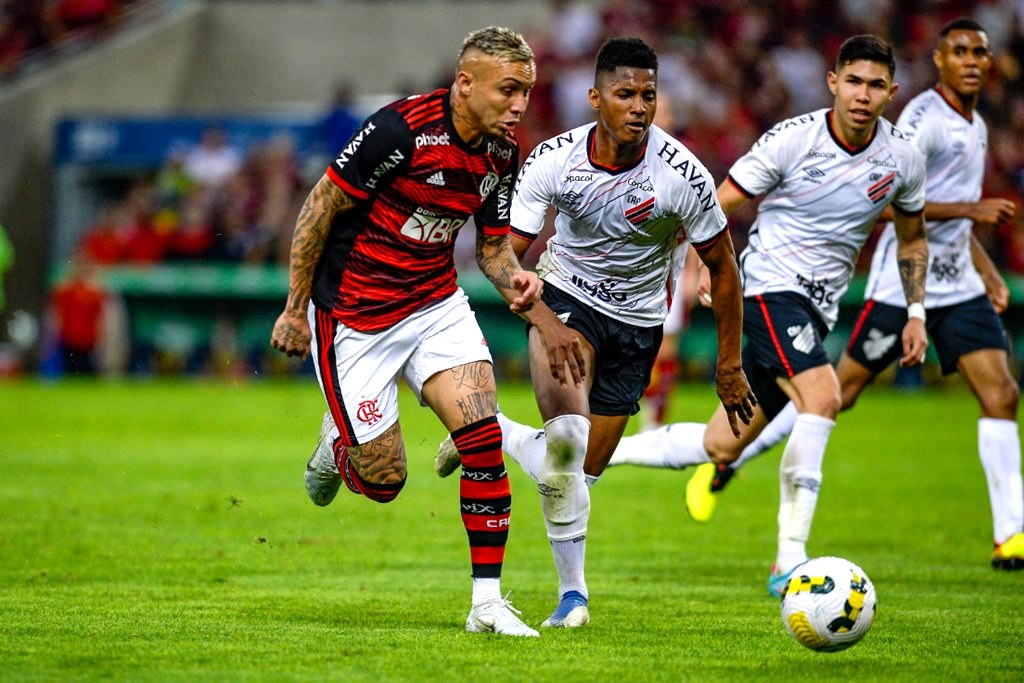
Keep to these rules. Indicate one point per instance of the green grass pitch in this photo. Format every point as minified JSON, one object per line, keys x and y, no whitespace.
{"x":159,"y":531}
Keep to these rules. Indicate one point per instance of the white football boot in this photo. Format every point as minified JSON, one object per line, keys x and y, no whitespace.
{"x":498,"y":616}
{"x":322,"y":477}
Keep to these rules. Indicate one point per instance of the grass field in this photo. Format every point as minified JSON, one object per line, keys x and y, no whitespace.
{"x":160,"y":531}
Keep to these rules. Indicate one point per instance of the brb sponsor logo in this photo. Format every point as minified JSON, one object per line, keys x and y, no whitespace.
{"x":428,"y":226}
{"x":427,"y":139}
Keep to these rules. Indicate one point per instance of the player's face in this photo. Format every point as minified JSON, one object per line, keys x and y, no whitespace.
{"x":963,"y":60}
{"x":626,"y":101}
{"x":862,"y":90}
{"x":496,"y":92}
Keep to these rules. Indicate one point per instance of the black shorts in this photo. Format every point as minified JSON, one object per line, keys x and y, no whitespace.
{"x":624,"y":354}
{"x":784,"y":337}
{"x":954,"y":330}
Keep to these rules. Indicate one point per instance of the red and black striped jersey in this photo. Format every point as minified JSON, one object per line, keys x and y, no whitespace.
{"x":416,"y":183}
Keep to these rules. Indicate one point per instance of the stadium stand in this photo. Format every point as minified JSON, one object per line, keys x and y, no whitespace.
{"x":730,"y":69}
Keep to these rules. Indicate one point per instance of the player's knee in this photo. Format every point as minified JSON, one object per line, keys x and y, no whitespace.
{"x":567,"y":437}
{"x":1001,"y":400}
{"x":828,"y":404}
{"x":383,"y":493}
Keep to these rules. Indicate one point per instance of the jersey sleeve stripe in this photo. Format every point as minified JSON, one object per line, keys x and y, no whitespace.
{"x":347,"y":187}
{"x":732,"y":181}
{"x":528,"y":236}
{"x":493,"y":230}
{"x":707,"y":244}
{"x":905,"y":212}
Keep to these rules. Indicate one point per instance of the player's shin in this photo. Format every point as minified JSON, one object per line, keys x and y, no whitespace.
{"x":486,"y":501}
{"x":565,"y":497}
{"x":524,"y":444}
{"x":673,"y":446}
{"x":999,"y":449}
{"x":799,"y":481}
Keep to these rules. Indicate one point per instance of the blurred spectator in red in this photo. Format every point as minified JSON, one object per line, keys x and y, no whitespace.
{"x":78,"y":305}
{"x":88,"y":16}
{"x":103,"y":243}
{"x":193,"y":237}
{"x":143,"y":242}
{"x":26,"y":27}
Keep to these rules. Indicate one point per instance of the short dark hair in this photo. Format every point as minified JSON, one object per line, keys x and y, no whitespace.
{"x":630,"y":52}
{"x":867,"y":47}
{"x":961,"y":24}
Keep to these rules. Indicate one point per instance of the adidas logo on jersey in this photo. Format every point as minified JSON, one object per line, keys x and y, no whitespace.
{"x":803,"y":337}
{"x":436,"y":179}
{"x":878,"y":344}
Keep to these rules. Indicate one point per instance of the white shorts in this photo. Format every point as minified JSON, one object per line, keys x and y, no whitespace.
{"x":359,"y":372}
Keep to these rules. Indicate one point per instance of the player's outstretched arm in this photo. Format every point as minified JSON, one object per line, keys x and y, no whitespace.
{"x":291,"y":334}
{"x":565,"y":355}
{"x":995,"y":286}
{"x":519,"y":287}
{"x":912,"y":259}
{"x":727,"y":304}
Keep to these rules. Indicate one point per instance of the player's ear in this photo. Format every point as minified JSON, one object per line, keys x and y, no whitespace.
{"x":892,"y":92}
{"x":832,"y":79}
{"x":463,"y":83}
{"x":594,"y":95}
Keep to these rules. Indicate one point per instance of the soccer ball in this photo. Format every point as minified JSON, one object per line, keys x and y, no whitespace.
{"x":828,"y":604}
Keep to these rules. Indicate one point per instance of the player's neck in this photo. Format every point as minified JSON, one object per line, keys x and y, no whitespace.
{"x":853,"y":139}
{"x":610,"y":153}
{"x":465,"y":125}
{"x":964,"y":104}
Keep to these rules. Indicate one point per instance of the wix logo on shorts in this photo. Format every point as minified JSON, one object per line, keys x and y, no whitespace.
{"x":877,"y":344}
{"x":803,"y":337}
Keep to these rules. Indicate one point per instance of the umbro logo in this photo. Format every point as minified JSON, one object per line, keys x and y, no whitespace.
{"x":878,"y":344}
{"x":436,"y":179}
{"x":803,"y":336}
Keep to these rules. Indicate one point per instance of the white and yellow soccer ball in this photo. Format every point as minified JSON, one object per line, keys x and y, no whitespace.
{"x":828,"y":604}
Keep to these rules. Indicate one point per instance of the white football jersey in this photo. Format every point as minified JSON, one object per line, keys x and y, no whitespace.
{"x":821,"y":202}
{"x":620,"y":233}
{"x":954,"y":150}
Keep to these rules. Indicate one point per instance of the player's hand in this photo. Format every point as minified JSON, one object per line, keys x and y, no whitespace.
{"x":997,"y":291}
{"x":563,"y":349}
{"x":915,"y":343}
{"x":530,"y":288}
{"x":291,"y":335}
{"x":704,"y":286}
{"x":993,"y":211}
{"x":736,"y":396}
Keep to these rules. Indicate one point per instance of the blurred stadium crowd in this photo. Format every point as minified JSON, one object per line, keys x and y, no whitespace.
{"x":729,"y":69}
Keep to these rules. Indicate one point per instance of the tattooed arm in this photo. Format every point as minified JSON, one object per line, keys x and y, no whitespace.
{"x":912,"y":259}
{"x":520,"y":288}
{"x":499,"y":259}
{"x":291,"y":333}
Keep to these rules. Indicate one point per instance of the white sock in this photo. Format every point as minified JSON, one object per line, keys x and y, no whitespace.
{"x":569,"y":559}
{"x":486,"y":589}
{"x":999,"y":449}
{"x":673,"y":446}
{"x":774,"y":432}
{"x":523,"y":444}
{"x":799,"y":481}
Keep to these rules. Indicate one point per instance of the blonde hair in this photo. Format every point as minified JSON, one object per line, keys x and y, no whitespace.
{"x":497,"y":41}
